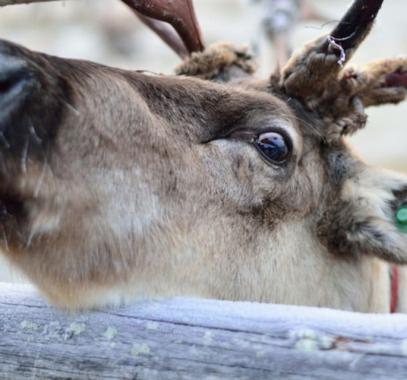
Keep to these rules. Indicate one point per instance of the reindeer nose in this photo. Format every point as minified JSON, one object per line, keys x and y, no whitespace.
{"x":14,"y":79}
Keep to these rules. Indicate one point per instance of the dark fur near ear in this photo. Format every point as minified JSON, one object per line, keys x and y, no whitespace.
{"x":346,"y":231}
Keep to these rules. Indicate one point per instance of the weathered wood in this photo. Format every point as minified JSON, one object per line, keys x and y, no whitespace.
{"x":196,"y":339}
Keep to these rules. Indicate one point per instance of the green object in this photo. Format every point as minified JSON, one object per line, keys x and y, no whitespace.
{"x":401,"y":218}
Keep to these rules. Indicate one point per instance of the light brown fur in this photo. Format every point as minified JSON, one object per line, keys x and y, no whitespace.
{"x":145,"y":186}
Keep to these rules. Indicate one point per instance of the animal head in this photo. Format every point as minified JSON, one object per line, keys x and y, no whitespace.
{"x":209,"y":183}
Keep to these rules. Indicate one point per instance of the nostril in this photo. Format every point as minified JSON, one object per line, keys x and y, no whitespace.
{"x":12,"y":73}
{"x":6,"y":84}
{"x":14,"y":79}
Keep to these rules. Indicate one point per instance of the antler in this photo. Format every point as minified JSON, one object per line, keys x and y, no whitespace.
{"x":221,"y":62}
{"x":176,"y":23}
{"x":179,"y":14}
{"x":306,"y":75}
{"x":317,"y":78}
{"x":356,"y":24}
{"x":378,"y":82}
{"x":166,"y":33}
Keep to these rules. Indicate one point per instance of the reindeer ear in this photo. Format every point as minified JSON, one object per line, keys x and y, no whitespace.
{"x":363,"y":218}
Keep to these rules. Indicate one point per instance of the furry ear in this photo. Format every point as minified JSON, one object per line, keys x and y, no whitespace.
{"x":363,"y":218}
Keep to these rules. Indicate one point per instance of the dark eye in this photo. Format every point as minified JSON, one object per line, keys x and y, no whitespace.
{"x":273,"y":146}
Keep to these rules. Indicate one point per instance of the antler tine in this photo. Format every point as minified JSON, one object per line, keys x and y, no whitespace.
{"x":178,"y":13}
{"x":356,"y":23}
{"x":307,"y":73}
{"x":168,"y":35}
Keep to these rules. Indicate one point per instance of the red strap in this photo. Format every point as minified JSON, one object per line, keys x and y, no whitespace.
{"x":394,"y":288}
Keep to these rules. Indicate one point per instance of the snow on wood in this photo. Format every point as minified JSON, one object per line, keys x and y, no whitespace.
{"x":196,"y":339}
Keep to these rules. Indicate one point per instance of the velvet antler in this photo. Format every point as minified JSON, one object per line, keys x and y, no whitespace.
{"x":317,"y":77}
{"x":377,"y":83}
{"x":306,"y":75}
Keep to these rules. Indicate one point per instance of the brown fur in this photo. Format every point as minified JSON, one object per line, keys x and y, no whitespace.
{"x":121,"y":185}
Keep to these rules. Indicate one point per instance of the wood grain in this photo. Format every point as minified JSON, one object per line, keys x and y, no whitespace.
{"x":196,"y":339}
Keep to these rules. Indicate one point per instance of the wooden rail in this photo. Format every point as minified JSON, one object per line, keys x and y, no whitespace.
{"x":196,"y":339}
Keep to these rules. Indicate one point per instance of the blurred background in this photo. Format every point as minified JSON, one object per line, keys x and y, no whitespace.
{"x":107,"y":32}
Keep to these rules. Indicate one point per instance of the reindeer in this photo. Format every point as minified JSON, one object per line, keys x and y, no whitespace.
{"x":210,"y":183}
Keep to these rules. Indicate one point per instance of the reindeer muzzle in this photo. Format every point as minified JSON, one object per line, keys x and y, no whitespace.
{"x":29,"y":101}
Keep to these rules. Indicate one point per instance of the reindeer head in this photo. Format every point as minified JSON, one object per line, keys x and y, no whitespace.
{"x":117,"y":183}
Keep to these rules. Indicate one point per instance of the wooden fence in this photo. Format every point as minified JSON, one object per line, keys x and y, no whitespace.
{"x":196,"y":339}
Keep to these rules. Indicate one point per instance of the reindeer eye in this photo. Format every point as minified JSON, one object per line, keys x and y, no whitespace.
{"x":273,"y":146}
